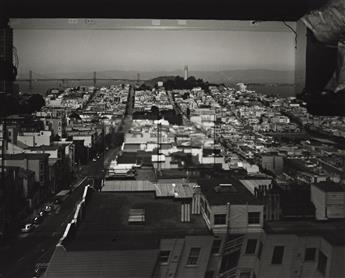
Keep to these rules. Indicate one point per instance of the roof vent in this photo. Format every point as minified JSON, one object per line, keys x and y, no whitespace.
{"x":225,"y":187}
{"x":136,"y":216}
{"x":225,"y":184}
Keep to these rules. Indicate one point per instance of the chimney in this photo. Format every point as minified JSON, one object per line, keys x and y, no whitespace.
{"x":185,"y":212}
{"x":196,"y":200}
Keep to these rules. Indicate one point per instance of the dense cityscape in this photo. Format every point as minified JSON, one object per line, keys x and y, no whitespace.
{"x":179,"y":178}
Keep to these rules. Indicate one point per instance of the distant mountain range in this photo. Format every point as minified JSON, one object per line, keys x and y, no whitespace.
{"x":224,"y":76}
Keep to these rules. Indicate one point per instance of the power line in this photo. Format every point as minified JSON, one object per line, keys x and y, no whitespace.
{"x":293,"y":30}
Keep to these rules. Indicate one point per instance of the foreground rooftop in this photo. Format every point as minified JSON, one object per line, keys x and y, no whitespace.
{"x":332,"y":231}
{"x":105,"y":224}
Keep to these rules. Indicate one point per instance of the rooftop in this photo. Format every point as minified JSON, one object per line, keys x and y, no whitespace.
{"x":45,"y":148}
{"x":177,"y":189}
{"x":332,"y":231}
{"x":21,"y":156}
{"x":106,"y":227}
{"x":138,"y":157}
{"x":129,"y":263}
{"x":235,"y":193}
{"x":329,"y":186}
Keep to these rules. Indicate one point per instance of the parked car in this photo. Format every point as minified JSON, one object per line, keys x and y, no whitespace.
{"x":37,"y":220}
{"x":27,"y":228}
{"x":48,"y":208}
{"x":39,"y":270}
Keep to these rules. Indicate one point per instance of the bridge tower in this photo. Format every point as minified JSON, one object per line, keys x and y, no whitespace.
{"x":30,"y":80}
{"x":94,"y":79}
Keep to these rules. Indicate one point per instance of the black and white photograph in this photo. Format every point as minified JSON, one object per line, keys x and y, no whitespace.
{"x":172,"y":139}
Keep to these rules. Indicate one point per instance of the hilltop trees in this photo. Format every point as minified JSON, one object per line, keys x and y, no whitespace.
{"x":180,"y":83}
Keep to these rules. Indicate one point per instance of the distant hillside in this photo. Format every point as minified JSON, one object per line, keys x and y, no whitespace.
{"x":247,"y":76}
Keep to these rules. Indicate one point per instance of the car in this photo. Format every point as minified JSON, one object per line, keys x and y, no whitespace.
{"x":37,"y":220}
{"x":27,"y":228}
{"x":48,"y":208}
{"x":39,"y":270}
{"x":42,"y":213}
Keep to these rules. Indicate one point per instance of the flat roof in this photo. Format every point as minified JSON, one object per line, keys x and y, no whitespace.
{"x":21,"y":156}
{"x":48,"y":148}
{"x":236,"y":194}
{"x":255,"y":183}
{"x":177,"y":190}
{"x":131,"y":146}
{"x":332,"y":231}
{"x":105,"y":224}
{"x":114,"y":263}
{"x":135,"y":157}
{"x":329,"y":186}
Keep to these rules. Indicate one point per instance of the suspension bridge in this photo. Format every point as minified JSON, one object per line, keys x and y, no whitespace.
{"x":94,"y":77}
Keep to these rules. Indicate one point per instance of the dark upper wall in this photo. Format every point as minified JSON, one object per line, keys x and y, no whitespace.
{"x":288,"y":10}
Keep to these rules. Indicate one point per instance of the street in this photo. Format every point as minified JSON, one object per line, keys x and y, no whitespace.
{"x":19,"y":255}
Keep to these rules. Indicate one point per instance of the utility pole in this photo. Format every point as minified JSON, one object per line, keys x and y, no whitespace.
{"x":3,"y":150}
{"x":4,"y":199}
{"x":158,"y":146}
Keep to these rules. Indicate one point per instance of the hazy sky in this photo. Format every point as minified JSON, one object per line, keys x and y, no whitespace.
{"x":49,"y":51}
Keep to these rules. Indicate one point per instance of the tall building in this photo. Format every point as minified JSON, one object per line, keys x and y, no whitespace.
{"x":185,"y":72}
{"x":6,"y":53}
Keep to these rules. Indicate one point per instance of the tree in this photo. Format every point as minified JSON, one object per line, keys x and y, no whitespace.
{"x":75,"y":115}
{"x":155,"y":112}
{"x":188,"y":113}
{"x":35,"y":103}
{"x":56,"y":137}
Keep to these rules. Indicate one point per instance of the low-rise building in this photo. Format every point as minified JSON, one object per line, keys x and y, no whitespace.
{"x":329,"y":200}
{"x":228,"y":207}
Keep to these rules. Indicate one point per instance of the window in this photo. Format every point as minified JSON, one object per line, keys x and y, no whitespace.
{"x":229,"y":261}
{"x":309,"y":254}
{"x":209,"y":274}
{"x":261,"y":245}
{"x":164,"y":256}
{"x":216,"y":246}
{"x":277,"y":257}
{"x":245,"y":274}
{"x":193,"y":256}
{"x":322,"y":263}
{"x":219,"y":219}
{"x":251,"y":246}
{"x":253,"y":217}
